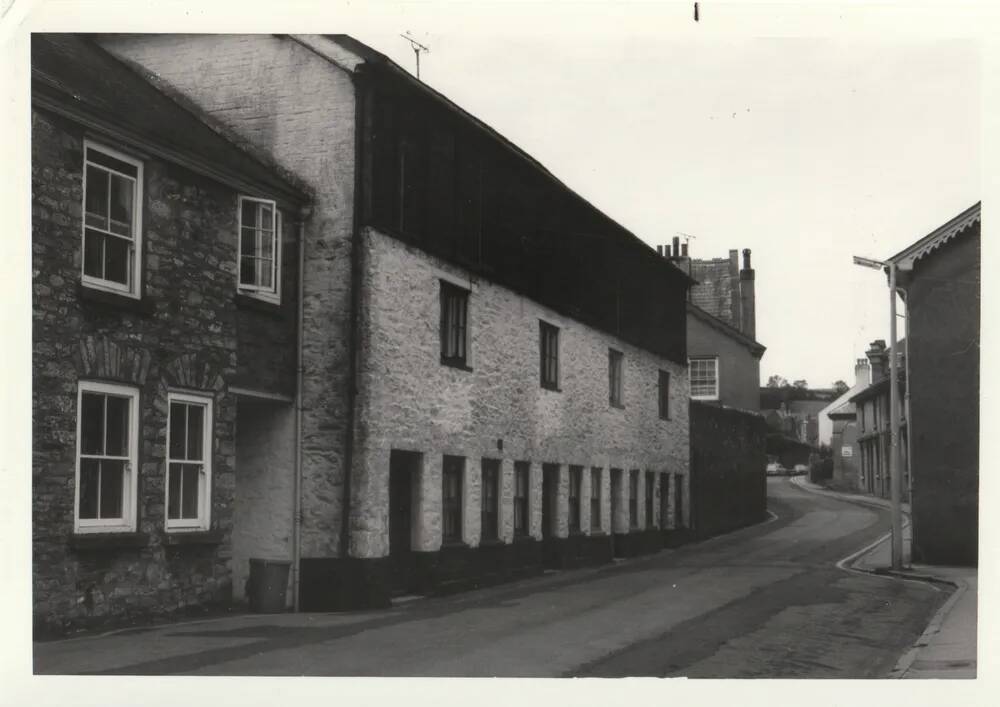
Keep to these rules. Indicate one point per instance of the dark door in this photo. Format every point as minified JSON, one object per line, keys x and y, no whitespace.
{"x":664,"y":499}
{"x":616,"y":504}
{"x":402,"y":469}
{"x":678,"y":501}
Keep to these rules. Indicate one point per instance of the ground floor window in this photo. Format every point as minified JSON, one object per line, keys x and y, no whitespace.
{"x":633,"y":498}
{"x":521,"y":472}
{"x":107,"y":434}
{"x":490,"y":499}
{"x":189,"y":461}
{"x":451,"y":498}
{"x":595,"y":498}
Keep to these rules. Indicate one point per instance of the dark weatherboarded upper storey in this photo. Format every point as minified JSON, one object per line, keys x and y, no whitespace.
{"x":435,"y":176}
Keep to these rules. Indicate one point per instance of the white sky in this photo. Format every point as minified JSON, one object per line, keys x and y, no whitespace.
{"x":806,"y":151}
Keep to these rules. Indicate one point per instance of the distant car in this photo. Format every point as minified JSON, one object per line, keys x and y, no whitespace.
{"x":801,"y":469}
{"x":775,"y":469}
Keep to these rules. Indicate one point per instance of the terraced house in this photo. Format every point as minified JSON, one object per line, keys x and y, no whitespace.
{"x":493,"y":372}
{"x":164,"y":338}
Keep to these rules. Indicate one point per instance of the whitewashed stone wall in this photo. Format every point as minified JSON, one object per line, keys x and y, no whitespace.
{"x":409,"y":400}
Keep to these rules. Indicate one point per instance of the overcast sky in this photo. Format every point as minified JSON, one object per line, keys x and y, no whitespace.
{"x":805,"y":150}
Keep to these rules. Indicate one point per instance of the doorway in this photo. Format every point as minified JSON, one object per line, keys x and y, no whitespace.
{"x":404,"y":468}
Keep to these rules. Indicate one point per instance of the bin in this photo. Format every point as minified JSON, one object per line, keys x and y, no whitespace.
{"x":267,"y":585}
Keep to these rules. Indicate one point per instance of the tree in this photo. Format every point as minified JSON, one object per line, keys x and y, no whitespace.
{"x":776,"y":382}
{"x":801,"y":384}
{"x":840,"y":387}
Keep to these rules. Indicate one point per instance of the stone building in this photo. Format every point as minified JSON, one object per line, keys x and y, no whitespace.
{"x":825,"y":423}
{"x":494,"y":372}
{"x":164,"y":294}
{"x":940,"y":280}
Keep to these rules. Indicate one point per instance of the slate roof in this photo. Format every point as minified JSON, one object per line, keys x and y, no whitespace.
{"x":756,"y":348}
{"x":72,"y":74}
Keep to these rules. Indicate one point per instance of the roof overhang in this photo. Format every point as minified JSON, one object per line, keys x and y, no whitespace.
{"x":907,"y":258}
{"x":755,"y":347}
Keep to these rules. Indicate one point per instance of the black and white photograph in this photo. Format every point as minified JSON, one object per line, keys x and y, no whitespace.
{"x":461,"y":340}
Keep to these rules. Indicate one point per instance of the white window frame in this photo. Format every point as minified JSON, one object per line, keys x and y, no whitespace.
{"x":715,"y":362}
{"x":269,"y":294}
{"x":204,"y":519}
{"x":127,"y":522}
{"x":134,"y":287}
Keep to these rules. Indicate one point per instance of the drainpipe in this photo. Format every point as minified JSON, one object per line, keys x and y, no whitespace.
{"x":906,"y":407}
{"x":297,"y":517}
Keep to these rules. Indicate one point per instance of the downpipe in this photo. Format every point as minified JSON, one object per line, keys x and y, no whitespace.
{"x":300,"y":338}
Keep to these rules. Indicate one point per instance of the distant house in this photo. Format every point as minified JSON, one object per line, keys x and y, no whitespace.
{"x":723,"y":353}
{"x":844,"y":444}
{"x":825,"y":424}
{"x":940,"y":276}
{"x":874,"y":423}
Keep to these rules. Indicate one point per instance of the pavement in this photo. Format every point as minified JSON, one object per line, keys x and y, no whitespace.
{"x":948,"y":646}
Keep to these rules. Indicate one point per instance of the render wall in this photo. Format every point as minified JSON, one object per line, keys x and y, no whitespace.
{"x":410,"y":401}
{"x":944,"y":402}
{"x":182,"y":333}
{"x":300,"y":109}
{"x":265,"y":487}
{"x":739,"y":370}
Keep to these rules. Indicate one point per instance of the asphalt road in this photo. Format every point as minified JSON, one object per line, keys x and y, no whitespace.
{"x":766,"y":601}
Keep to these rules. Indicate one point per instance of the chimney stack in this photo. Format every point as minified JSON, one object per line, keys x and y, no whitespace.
{"x":862,"y":372}
{"x":878,"y":357}
{"x":677,"y":247}
{"x":748,"y":298}
{"x":684,"y":250}
{"x":659,"y":250}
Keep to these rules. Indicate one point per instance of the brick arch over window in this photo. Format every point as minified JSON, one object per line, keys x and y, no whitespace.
{"x":100,"y":357}
{"x":193,"y":371}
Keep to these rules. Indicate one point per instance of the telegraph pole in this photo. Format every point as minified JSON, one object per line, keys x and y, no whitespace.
{"x":417,"y":48}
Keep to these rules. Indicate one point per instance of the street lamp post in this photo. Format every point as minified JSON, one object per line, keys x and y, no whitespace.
{"x":894,"y":473}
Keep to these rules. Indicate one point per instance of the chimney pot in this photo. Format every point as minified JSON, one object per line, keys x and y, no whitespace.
{"x":684,"y":250}
{"x":746,"y":258}
{"x":677,"y":246}
{"x":659,"y":250}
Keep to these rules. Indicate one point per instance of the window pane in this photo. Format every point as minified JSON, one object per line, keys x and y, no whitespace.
{"x":91,"y":423}
{"x":112,"y":478}
{"x":117,"y":426}
{"x":195,"y":432}
{"x":265,"y":271}
{"x":111,"y":162}
{"x":174,"y":491}
{"x":248,"y":270}
{"x":178,"y":414}
{"x":96,"y":199}
{"x":189,"y":490}
{"x":249,"y":215}
{"x":117,"y":259}
{"x":122,"y":195}
{"x":93,"y":253}
{"x":90,"y":473}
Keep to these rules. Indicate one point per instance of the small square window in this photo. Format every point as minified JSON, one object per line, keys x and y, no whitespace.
{"x":548,"y":337}
{"x":259,"y":248}
{"x":112,"y":205}
{"x":189,"y":462}
{"x":454,"y":325}
{"x":704,"y":374}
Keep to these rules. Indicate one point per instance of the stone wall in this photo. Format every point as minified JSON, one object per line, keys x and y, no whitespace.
{"x":410,"y":401}
{"x":299,"y":108}
{"x":181,"y":333}
{"x":728,"y":468}
{"x":718,"y":288}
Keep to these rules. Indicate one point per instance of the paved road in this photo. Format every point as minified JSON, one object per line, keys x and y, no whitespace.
{"x":767,"y":601}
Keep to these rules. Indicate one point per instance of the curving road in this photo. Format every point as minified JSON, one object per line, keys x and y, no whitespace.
{"x":767,"y":601}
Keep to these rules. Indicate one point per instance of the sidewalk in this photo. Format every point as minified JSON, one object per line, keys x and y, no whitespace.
{"x":947,"y":647}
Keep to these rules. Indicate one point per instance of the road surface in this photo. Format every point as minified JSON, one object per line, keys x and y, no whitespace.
{"x":766,"y":601}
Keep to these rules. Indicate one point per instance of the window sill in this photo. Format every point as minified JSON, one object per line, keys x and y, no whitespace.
{"x":617,"y":406}
{"x":451,"y":363}
{"x":257,"y":304}
{"x":553,"y":388}
{"x":108,"y":540}
{"x":192,"y":537}
{"x":92,"y":296}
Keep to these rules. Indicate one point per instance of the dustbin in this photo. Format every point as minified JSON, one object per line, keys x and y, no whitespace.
{"x":267,"y":585}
